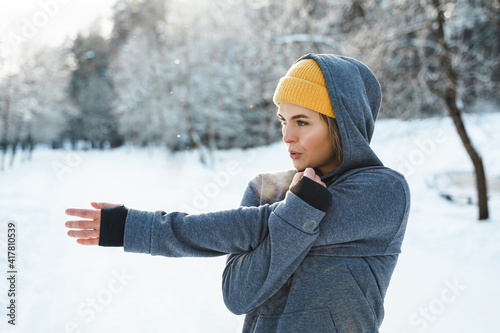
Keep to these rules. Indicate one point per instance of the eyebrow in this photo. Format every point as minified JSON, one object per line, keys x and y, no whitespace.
{"x":298,"y":116}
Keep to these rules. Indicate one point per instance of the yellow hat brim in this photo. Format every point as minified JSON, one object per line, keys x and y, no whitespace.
{"x":304,"y":93}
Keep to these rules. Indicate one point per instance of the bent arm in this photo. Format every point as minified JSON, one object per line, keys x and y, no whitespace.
{"x":251,"y":278}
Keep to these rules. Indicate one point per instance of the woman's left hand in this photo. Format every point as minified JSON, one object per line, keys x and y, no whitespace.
{"x":309,"y":173}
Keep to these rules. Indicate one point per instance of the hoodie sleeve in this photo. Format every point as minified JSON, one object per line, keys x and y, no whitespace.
{"x":251,"y":278}
{"x":178,"y":234}
{"x":232,"y":231}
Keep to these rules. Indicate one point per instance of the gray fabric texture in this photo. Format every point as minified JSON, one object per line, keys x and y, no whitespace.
{"x":292,"y":267}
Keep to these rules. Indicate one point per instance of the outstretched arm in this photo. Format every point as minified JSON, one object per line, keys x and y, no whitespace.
{"x":178,"y":234}
{"x":175,"y":234}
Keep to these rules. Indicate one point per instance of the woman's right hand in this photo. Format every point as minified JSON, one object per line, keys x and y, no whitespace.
{"x":88,"y":230}
{"x":309,"y":173}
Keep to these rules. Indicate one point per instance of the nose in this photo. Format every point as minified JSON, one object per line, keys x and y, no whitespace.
{"x":289,"y":134}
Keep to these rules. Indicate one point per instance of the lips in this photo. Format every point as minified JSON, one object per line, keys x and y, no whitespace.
{"x":294,"y":155}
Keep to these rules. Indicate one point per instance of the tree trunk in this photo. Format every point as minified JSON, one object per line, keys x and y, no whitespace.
{"x":4,"y":151}
{"x":14,"y":150}
{"x":4,"y":140}
{"x":195,"y":138}
{"x":482,"y":190}
{"x":449,"y":96}
{"x":27,"y":147}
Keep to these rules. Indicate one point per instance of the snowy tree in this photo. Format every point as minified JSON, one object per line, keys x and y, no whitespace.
{"x":92,"y":92}
{"x":428,"y":65}
{"x":442,"y":80}
{"x":7,"y":116}
{"x":395,"y":40}
{"x":48,"y":104}
{"x":142,"y":74}
{"x":202,"y":74}
{"x":33,"y":111}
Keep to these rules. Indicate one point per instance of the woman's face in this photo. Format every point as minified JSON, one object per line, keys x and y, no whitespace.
{"x":307,"y":137}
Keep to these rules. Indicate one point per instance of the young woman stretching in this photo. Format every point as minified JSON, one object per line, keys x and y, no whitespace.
{"x":311,"y":249}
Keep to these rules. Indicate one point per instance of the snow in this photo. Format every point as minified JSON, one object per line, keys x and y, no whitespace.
{"x":446,"y":279}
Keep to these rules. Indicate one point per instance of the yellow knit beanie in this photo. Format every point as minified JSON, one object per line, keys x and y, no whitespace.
{"x":304,"y":85}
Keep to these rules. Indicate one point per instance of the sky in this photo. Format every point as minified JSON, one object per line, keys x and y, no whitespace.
{"x":47,"y":22}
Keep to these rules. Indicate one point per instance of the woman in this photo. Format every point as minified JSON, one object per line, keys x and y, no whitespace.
{"x":312,"y":249}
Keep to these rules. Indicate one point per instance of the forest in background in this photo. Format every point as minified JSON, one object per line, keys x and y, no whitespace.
{"x":199,"y":74}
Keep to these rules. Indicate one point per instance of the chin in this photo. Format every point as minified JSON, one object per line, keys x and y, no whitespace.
{"x":300,"y":167}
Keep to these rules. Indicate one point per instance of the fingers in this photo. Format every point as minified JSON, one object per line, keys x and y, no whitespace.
{"x":296,"y":179}
{"x":88,"y":241}
{"x":310,"y":173}
{"x":83,"y":233}
{"x":99,"y":205}
{"x":83,"y":224}
{"x":89,"y":233}
{"x":83,"y":213}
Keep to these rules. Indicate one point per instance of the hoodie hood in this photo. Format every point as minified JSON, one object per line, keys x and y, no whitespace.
{"x":355,"y":95}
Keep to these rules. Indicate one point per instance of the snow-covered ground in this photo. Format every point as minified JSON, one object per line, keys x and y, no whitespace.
{"x":446,"y":280}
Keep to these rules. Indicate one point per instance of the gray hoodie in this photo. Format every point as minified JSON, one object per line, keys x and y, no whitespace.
{"x":296,"y":265}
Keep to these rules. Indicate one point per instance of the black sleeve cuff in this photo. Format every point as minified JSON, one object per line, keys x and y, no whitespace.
{"x":313,"y":193}
{"x":112,"y":226}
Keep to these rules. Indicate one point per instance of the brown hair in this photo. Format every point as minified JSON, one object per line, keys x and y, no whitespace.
{"x":335,"y":137}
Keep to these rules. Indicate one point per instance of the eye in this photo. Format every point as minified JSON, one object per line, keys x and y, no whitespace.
{"x":301,"y":123}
